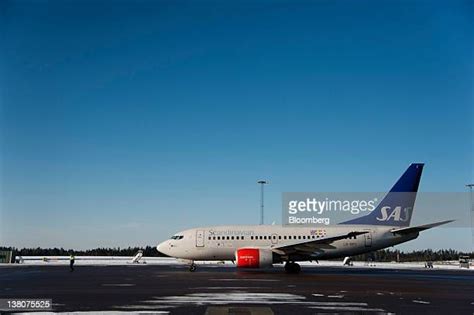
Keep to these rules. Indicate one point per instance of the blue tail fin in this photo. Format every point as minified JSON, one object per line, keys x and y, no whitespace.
{"x":397,"y":206}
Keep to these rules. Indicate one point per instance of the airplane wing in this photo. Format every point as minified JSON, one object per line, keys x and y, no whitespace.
{"x":419,"y":228}
{"x":311,"y":246}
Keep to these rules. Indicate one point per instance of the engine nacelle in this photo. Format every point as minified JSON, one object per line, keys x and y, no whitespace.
{"x":255,"y":258}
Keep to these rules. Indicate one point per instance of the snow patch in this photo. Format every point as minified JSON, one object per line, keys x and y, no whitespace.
{"x":421,"y":302}
{"x":348,"y":308}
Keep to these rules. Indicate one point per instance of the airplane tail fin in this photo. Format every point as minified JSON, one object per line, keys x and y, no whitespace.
{"x":396,"y":207}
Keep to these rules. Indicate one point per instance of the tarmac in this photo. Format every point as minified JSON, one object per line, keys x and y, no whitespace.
{"x":161,"y":289}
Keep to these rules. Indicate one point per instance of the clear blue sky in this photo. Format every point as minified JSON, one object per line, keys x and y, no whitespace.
{"x":123,"y":123}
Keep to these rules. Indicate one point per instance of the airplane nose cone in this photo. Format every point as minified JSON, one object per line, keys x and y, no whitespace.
{"x":162,"y":249}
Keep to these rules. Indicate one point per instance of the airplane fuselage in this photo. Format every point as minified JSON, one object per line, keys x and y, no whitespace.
{"x":221,"y":242}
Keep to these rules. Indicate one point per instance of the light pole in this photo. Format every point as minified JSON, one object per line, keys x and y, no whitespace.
{"x":262,"y":183}
{"x":472,"y":210}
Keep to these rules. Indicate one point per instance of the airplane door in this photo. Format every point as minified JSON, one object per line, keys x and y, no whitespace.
{"x":368,"y":239}
{"x":199,"y":238}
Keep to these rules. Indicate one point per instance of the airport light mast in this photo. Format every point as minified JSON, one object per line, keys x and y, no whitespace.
{"x":472,"y":211}
{"x":262,"y":183}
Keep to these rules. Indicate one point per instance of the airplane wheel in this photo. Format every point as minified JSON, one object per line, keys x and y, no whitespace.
{"x":297,"y":268}
{"x":192,"y":268}
{"x":291,"y":267}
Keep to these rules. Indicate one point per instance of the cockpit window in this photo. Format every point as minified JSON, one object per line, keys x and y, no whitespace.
{"x":177,"y":237}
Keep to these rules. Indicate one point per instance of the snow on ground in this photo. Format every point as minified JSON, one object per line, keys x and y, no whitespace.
{"x":113,"y":260}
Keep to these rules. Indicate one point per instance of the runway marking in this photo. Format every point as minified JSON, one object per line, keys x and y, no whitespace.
{"x":421,"y":302}
{"x":335,"y":296}
{"x":118,"y":284}
{"x":317,"y":294}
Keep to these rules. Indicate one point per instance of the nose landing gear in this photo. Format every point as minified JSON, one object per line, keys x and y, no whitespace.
{"x":292,"y":267}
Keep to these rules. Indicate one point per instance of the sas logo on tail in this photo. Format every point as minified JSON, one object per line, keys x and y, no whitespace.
{"x":397,"y":214}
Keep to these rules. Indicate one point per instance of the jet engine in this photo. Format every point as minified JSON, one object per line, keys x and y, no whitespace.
{"x":255,"y":258}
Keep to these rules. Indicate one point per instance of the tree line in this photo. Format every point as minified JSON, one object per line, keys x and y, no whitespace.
{"x":148,"y":251}
{"x":385,"y":255}
{"x":388,"y":255}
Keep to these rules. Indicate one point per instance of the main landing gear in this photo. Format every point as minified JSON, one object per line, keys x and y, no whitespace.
{"x":292,"y":267}
{"x":192,"y":267}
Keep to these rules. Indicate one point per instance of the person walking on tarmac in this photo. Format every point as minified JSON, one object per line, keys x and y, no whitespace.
{"x":71,"y":262}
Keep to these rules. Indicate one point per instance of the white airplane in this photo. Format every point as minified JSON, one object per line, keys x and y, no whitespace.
{"x":260,"y":246}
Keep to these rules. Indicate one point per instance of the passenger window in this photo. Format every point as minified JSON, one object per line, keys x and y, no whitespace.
{"x":284,"y":237}
{"x":232,"y":238}
{"x":214,"y":238}
{"x":264,"y":237}
{"x":279,"y":237}
{"x":251,"y":237}
{"x":299,"y":237}
{"x":227,"y":238}
{"x":304,"y":237}
{"x":242,"y":238}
